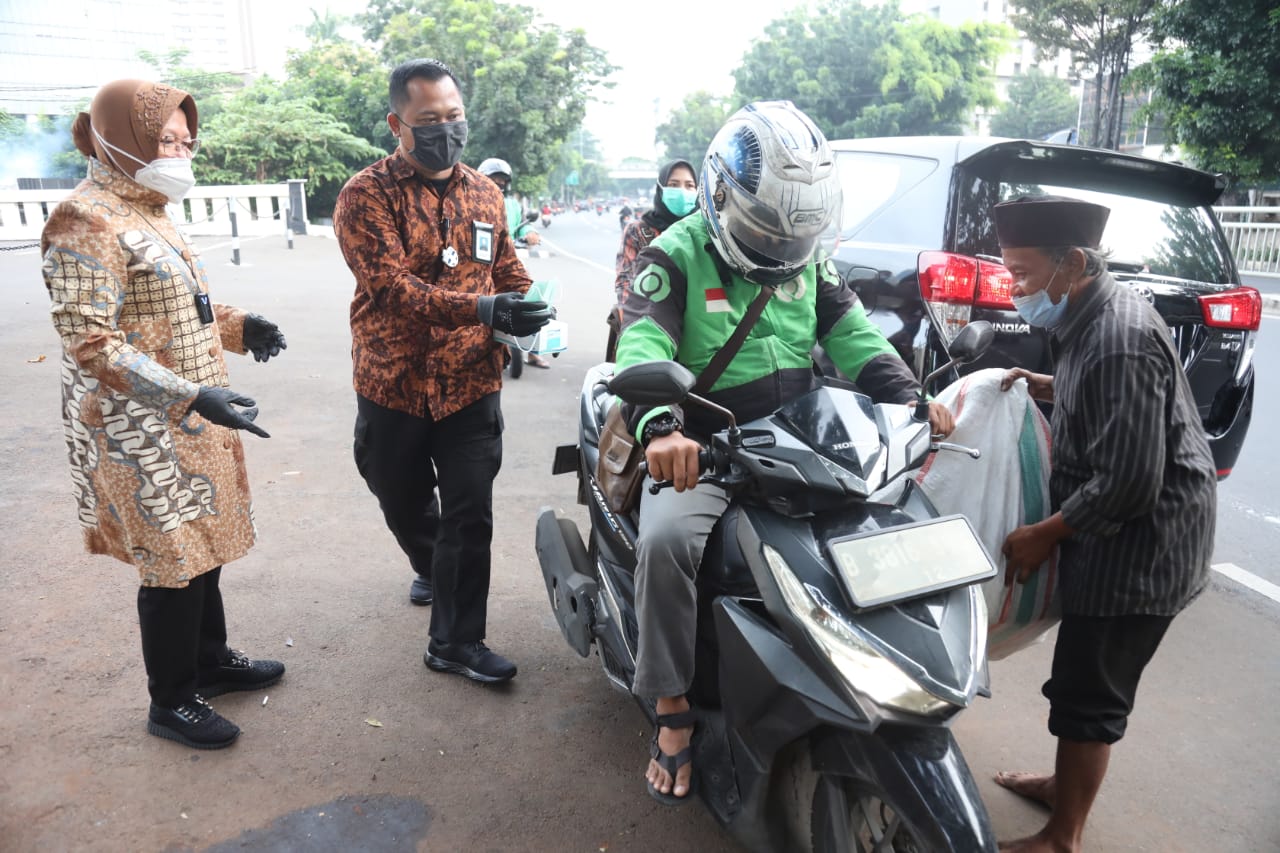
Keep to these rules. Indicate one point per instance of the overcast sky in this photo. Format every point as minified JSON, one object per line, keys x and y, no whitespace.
{"x":664,"y":49}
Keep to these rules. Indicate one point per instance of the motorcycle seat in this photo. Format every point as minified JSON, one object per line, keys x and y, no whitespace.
{"x":596,"y":402}
{"x":724,"y":569}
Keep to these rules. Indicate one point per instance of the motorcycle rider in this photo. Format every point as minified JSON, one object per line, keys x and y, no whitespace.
{"x":499,"y":171}
{"x":768,"y":202}
{"x":674,"y":197}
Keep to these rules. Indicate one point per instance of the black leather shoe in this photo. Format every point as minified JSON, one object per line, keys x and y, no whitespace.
{"x":474,"y":660}
{"x":194,"y":724}
{"x":239,"y":673}
{"x":420,"y":592}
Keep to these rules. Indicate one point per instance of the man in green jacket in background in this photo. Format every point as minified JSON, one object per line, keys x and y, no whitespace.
{"x":768,"y":205}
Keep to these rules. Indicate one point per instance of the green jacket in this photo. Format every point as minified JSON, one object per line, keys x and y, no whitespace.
{"x":515,"y":215}
{"x":684,"y":304}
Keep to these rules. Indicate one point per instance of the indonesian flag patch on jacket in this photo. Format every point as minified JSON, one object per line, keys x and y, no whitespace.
{"x":717,"y":300}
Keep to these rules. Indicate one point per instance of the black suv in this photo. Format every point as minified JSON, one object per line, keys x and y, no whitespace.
{"x":918,"y":245}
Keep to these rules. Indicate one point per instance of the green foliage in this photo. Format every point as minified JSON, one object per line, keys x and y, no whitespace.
{"x":579,"y":153}
{"x":209,"y":89}
{"x":43,"y":149}
{"x":264,"y":136}
{"x":864,"y":71}
{"x":688,"y":131}
{"x":525,"y":83}
{"x":325,"y":28}
{"x":594,"y":178}
{"x":347,"y":82}
{"x":10,"y":126}
{"x":1039,"y":104}
{"x":1100,"y":34}
{"x":1214,"y":82}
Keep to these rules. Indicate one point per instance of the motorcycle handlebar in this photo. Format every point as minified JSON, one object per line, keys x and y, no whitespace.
{"x":706,"y":462}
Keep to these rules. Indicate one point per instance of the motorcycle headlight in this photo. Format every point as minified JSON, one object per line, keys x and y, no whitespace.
{"x":864,"y":669}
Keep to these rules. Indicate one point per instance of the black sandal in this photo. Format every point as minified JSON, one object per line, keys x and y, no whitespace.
{"x":672,"y":763}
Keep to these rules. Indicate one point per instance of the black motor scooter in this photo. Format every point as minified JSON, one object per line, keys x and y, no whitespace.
{"x":840,"y":628}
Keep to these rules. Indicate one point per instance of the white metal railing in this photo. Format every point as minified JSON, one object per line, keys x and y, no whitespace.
{"x":1254,"y":236}
{"x":259,"y":209}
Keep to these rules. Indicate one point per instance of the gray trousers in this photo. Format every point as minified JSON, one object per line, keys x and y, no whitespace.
{"x":674,"y":527}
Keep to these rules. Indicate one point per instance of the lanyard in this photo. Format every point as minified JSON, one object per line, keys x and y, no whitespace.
{"x":203,"y":307}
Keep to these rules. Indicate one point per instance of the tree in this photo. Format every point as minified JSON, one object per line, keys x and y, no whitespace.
{"x":526,"y":84}
{"x":207,"y":88}
{"x":348,"y":82}
{"x":264,"y":136}
{"x":1214,"y":83}
{"x":579,"y":153}
{"x":1100,"y":34}
{"x":324,"y":28}
{"x":860,"y":71}
{"x":42,"y":149}
{"x":1038,"y":105}
{"x":688,"y":130}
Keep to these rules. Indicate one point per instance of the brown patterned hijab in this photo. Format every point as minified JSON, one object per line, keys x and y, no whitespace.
{"x":129,"y":114}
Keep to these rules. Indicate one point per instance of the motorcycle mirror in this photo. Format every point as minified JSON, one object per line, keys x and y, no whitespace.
{"x":969,"y":345}
{"x":972,"y":341}
{"x":653,"y":383}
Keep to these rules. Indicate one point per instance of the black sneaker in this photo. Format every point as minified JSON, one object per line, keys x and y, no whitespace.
{"x":194,"y":724}
{"x":420,"y":592}
{"x":239,"y":673}
{"x":474,"y":660}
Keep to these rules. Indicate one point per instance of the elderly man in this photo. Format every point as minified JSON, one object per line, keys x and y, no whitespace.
{"x":1133,"y":485}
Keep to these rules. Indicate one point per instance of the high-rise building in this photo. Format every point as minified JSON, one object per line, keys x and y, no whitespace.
{"x":1022,"y":57}
{"x":54,"y":54}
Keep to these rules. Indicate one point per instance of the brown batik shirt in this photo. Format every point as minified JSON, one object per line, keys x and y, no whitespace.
{"x":417,"y":345}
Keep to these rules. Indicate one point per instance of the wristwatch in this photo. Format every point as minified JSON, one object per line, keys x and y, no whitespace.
{"x":661,"y":425}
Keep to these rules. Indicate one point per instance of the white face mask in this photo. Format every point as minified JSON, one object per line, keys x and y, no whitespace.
{"x":171,"y":176}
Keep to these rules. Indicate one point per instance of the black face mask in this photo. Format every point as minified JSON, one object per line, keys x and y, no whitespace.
{"x":438,"y":146}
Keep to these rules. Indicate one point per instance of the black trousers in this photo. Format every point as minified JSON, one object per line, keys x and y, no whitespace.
{"x":405,"y":460}
{"x":183,"y":631}
{"x":1097,"y":663}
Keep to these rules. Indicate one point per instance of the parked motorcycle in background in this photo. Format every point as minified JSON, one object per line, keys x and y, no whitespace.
{"x":840,"y":626}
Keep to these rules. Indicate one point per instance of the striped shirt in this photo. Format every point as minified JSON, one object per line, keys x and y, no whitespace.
{"x":1132,"y":471}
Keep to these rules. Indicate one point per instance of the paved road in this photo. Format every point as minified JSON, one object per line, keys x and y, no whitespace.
{"x":553,"y":762}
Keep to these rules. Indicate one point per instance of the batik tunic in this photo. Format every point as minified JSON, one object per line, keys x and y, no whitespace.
{"x":155,"y":485}
{"x":422,"y":259}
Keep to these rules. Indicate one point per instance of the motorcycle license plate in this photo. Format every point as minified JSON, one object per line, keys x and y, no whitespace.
{"x":910,"y":561}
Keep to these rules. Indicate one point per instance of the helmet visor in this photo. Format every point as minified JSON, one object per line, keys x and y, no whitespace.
{"x":769,"y":250}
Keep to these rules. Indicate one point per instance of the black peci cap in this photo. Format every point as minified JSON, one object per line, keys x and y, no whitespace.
{"x":1034,"y":222}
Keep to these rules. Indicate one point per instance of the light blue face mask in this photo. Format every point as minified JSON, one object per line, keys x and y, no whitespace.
{"x":1038,"y":309}
{"x":679,"y":201}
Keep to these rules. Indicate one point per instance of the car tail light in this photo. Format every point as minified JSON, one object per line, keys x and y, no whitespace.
{"x":1239,"y":308}
{"x":952,"y":285}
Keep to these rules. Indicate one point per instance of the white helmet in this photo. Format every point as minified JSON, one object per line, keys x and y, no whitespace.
{"x":770,"y":192}
{"x":494,"y":166}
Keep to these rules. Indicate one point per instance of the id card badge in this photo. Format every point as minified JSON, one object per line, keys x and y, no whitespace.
{"x":482,"y":242}
{"x":203,"y":308}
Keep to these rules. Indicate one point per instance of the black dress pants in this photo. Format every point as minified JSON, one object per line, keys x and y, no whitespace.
{"x":183,"y":631}
{"x":405,"y":460}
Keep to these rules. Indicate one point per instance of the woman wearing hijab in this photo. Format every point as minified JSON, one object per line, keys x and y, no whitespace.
{"x":151,"y":426}
{"x":674,"y":197}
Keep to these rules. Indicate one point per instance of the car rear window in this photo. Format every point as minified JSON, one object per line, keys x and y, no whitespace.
{"x":884,"y":201}
{"x":1142,"y":236}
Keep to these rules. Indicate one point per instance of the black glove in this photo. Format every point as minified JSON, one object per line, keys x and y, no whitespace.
{"x":511,"y":313}
{"x":217,"y":405}
{"x":262,"y":337}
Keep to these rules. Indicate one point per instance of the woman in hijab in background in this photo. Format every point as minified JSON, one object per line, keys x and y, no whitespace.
{"x":151,"y":426}
{"x":674,"y":198}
